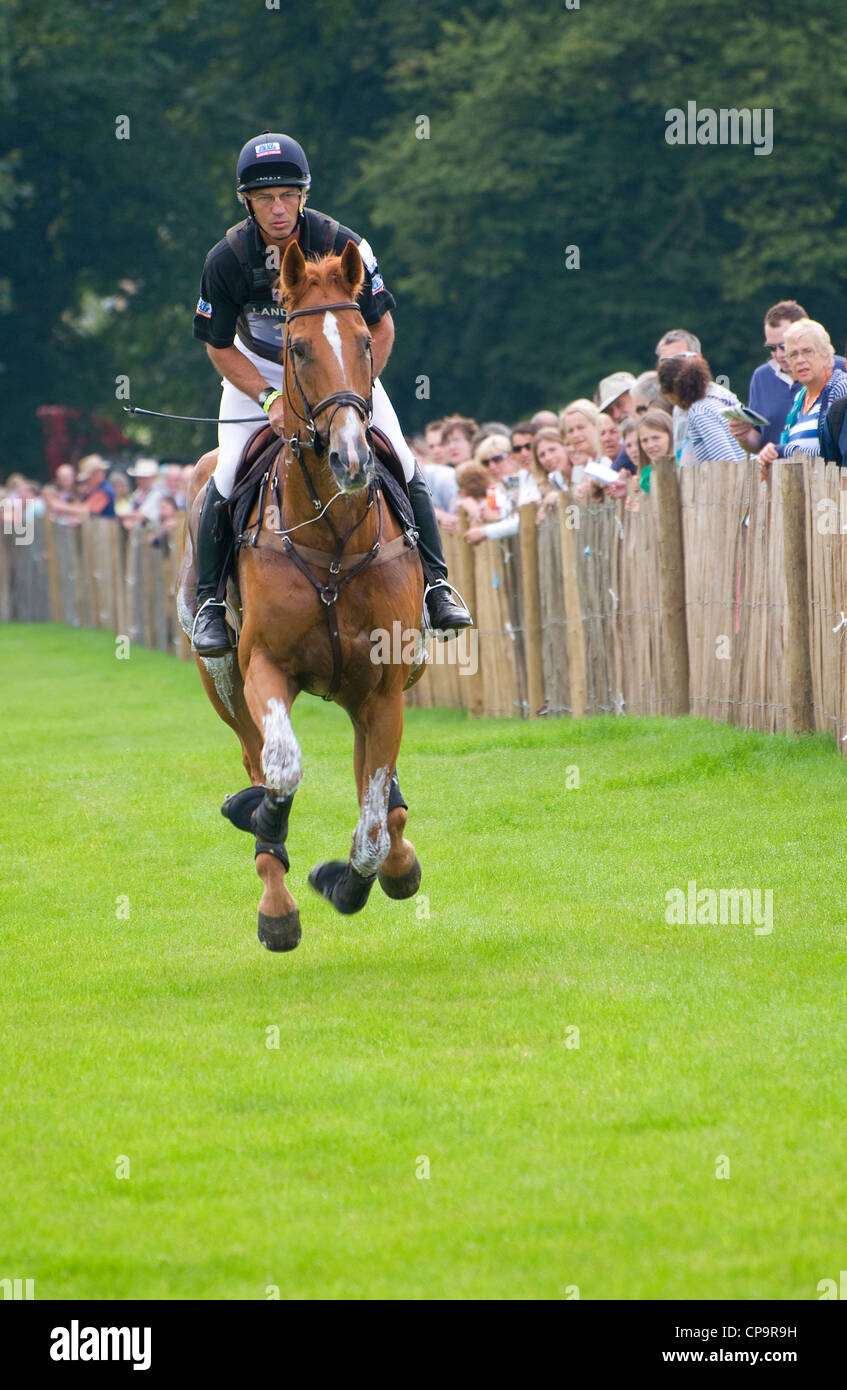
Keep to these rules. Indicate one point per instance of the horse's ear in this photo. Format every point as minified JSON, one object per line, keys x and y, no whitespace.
{"x":352,"y":270}
{"x":293,"y":271}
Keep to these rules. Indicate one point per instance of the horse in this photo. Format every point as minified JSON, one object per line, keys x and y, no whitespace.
{"x":310,"y":604}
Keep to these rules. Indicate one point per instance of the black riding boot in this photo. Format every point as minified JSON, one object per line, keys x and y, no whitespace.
{"x":212,"y":634}
{"x":445,"y":614}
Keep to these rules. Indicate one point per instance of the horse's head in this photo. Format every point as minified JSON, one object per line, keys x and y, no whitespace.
{"x":328,"y":364}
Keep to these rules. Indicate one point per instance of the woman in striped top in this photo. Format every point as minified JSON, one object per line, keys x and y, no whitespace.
{"x":687,"y":383}
{"x":810,"y":356}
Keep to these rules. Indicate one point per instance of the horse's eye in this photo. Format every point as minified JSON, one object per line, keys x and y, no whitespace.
{"x":298,"y":347}
{"x":366,"y":343}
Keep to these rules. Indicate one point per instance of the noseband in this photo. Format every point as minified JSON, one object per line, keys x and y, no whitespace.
{"x":337,"y":399}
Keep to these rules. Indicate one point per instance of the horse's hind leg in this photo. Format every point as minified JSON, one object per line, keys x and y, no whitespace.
{"x":400,"y":872}
{"x":379,"y":727}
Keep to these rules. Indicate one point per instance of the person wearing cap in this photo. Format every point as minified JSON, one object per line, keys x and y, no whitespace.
{"x":97,"y":493}
{"x":242,"y":324}
{"x":613,"y":396}
{"x":144,"y":501}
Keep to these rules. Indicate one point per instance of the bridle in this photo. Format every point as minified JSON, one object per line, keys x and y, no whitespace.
{"x":337,"y":399}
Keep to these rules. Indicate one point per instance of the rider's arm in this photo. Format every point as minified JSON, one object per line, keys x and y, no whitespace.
{"x":382,"y":341}
{"x":238,"y":369}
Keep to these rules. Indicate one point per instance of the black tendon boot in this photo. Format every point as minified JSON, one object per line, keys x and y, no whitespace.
{"x":445,"y":614}
{"x":212,"y":635}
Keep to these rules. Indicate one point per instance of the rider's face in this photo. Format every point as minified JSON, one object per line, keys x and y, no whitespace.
{"x":276,"y":210}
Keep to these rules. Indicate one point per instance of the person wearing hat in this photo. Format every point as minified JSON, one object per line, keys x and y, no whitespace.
{"x":613,"y":395}
{"x":97,"y":494}
{"x":242,"y":325}
{"x":144,"y":501}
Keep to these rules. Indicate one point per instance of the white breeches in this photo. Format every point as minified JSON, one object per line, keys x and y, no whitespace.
{"x":235,"y":405}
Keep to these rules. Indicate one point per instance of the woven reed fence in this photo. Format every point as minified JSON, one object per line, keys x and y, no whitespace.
{"x":716,"y":594}
{"x":97,"y":575}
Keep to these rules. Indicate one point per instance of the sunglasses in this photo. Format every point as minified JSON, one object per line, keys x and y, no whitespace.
{"x":497,"y":458}
{"x":519,"y":448}
{"x":774,"y":347}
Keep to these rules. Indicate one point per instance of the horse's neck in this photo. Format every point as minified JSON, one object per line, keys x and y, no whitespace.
{"x":346,"y":511}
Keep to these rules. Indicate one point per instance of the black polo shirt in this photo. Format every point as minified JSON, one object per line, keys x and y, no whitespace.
{"x":231,"y":303}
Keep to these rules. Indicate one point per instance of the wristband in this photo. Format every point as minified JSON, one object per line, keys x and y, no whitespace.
{"x":269,"y":399}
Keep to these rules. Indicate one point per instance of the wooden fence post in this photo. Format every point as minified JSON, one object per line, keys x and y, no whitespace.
{"x":672,"y":572}
{"x":473,"y":692}
{"x":531,"y":608}
{"x":798,"y":664}
{"x":573,"y":610}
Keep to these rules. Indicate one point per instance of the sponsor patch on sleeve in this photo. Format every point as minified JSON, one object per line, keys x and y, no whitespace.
{"x":204,"y":308}
{"x":367,"y":256}
{"x":377,"y":283}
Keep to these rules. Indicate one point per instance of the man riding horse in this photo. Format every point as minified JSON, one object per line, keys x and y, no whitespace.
{"x":241,"y":321}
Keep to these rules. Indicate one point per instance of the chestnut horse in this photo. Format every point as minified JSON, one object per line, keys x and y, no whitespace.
{"x":290,"y":605}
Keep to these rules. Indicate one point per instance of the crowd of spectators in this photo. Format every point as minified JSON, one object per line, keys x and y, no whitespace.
{"x":147,"y":495}
{"x":590,"y":449}
{"x":606,"y":447}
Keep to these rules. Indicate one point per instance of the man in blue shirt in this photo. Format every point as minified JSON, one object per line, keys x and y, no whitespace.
{"x":772,"y":384}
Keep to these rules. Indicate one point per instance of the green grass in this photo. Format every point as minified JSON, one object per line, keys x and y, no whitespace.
{"x":437,"y":1027}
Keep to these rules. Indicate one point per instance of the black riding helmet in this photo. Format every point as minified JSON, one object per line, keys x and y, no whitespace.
{"x":272,"y":159}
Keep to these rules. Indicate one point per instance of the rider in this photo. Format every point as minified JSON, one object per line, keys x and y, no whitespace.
{"x":241,"y":323}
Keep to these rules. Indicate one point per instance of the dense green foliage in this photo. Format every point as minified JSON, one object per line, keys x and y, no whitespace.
{"x":546,"y":130}
{"x":139,"y":1010}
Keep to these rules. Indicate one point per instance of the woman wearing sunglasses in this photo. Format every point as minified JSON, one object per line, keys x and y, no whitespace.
{"x":512,"y":487}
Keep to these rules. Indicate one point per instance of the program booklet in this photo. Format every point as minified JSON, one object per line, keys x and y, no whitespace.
{"x":745,"y":415}
{"x":601,"y":471}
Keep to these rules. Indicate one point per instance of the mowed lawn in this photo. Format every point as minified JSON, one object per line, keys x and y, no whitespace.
{"x":440,"y":1035}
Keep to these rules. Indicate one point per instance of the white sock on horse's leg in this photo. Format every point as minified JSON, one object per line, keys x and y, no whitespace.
{"x":371,"y":840}
{"x":282,"y":761}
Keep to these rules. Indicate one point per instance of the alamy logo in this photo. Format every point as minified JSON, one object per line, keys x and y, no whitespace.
{"x":727,"y":126}
{"x":407,"y":646}
{"x":77,"y":1343}
{"x":704,"y":907}
{"x":18,"y":1289}
{"x":19,"y":521}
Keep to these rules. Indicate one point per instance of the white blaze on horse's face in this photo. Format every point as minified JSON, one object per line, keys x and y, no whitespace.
{"x":332,"y":334}
{"x":349,"y":452}
{"x":371,"y":840}
{"x":282,"y":762}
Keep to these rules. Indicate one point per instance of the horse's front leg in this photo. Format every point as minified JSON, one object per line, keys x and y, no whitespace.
{"x":270,"y":695}
{"x":379,"y":727}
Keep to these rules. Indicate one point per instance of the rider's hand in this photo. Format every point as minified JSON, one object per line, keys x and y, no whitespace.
{"x":276,"y":414}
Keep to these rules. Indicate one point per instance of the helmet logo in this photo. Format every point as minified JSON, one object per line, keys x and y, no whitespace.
{"x":269,"y":147}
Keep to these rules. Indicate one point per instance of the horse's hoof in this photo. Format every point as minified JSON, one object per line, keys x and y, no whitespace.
{"x":239,"y":808}
{"x":280,"y":933}
{"x":341,"y":885}
{"x":405,"y":885}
